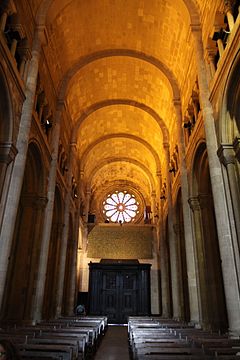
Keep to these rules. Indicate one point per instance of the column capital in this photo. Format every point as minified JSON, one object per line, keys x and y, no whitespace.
{"x":60,"y":105}
{"x":176,"y":228}
{"x":236,"y":145}
{"x":194,"y":203}
{"x":196,"y":28}
{"x":9,"y":7}
{"x":203,"y":200}
{"x":227,"y":6}
{"x":42,"y":32}
{"x":166,"y":145}
{"x":226,"y":154}
{"x":34,"y":201}
{"x":177,"y":102}
{"x":8,"y":152}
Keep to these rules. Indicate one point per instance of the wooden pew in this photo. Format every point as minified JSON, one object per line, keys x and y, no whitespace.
{"x":63,"y":352}
{"x":151,"y":339}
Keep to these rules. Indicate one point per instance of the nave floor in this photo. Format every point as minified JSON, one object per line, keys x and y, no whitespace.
{"x":114,"y":345}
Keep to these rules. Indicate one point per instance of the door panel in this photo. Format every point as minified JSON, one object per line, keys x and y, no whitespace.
{"x":119,"y":291}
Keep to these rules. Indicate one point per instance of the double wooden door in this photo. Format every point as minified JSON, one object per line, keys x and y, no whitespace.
{"x":119,"y":290}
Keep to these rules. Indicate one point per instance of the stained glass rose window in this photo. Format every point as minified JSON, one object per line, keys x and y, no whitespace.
{"x":120,"y":206}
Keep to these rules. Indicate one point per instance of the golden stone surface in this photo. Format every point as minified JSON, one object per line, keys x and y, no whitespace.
{"x":120,"y":242}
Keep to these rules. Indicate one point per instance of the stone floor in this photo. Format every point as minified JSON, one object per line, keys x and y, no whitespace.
{"x":114,"y":345}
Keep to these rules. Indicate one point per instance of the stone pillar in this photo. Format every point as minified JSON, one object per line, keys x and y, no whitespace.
{"x":227,"y":157}
{"x":48,"y":216}
{"x":9,"y":9}
{"x":188,"y":231}
{"x":153,"y":197}
{"x":25,"y":54}
{"x":228,"y":12}
{"x":165,"y":277}
{"x":8,"y":153}
{"x":38,"y":206}
{"x":172,"y":241}
{"x":164,"y":258}
{"x":226,"y":241}
{"x":13,"y":47}
{"x":236,"y":145}
{"x":200,"y":259}
{"x":65,"y":237}
{"x":176,"y":228}
{"x":73,"y":277}
{"x":211,"y":53}
{"x":87,"y":204}
{"x":16,"y":181}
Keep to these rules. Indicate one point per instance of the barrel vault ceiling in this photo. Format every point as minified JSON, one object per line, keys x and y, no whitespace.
{"x":119,"y":64}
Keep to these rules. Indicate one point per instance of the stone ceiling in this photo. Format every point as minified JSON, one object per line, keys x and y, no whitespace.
{"x":122,"y":63}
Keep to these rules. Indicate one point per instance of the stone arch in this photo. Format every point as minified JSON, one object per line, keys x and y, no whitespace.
{"x":230,"y":118}
{"x":51,"y":285}
{"x":7,"y":149}
{"x":113,"y":160}
{"x":94,"y":107}
{"x":211,"y":292}
{"x":128,"y":136}
{"x":69,"y":76}
{"x":23,"y":266}
{"x":6,"y":114}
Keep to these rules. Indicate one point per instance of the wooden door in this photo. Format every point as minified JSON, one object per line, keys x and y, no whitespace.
{"x":119,"y":295}
{"x":119,"y":291}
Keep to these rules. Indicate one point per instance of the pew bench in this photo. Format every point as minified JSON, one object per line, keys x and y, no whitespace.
{"x":63,"y":352}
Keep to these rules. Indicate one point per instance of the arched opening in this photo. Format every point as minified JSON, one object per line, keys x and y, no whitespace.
{"x":233,"y":100}
{"x":23,"y":265}
{"x":213,"y":313}
{"x":229,"y":151}
{"x":52,"y":279}
{"x":7,"y":150}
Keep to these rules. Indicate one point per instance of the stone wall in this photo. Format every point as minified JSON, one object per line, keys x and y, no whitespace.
{"x":120,"y":242}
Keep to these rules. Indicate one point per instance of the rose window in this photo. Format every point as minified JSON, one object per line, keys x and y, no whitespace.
{"x":120,"y":207}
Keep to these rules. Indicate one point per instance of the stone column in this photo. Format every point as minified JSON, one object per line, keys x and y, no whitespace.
{"x":172,"y":241}
{"x":200,"y":259}
{"x":16,"y":181}
{"x":227,"y":157}
{"x":73,"y":277}
{"x":65,"y":237}
{"x":9,"y":9}
{"x":153,"y":197}
{"x":226,"y":241}
{"x":38,"y":205}
{"x":211,"y":53}
{"x":48,"y":216}
{"x":164,"y":260}
{"x":165,"y":277}
{"x":188,"y":231}
{"x":176,"y":228}
{"x":8,"y":153}
{"x":236,"y":145}
{"x":87,"y":204}
{"x":228,"y":12}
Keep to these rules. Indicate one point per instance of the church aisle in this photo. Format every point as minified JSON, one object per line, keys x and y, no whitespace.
{"x":114,"y":345}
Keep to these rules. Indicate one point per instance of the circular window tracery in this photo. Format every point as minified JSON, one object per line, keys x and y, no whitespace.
{"x":120,"y":206}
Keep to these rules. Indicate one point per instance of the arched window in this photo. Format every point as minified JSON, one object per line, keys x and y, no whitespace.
{"x":120,"y":206}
